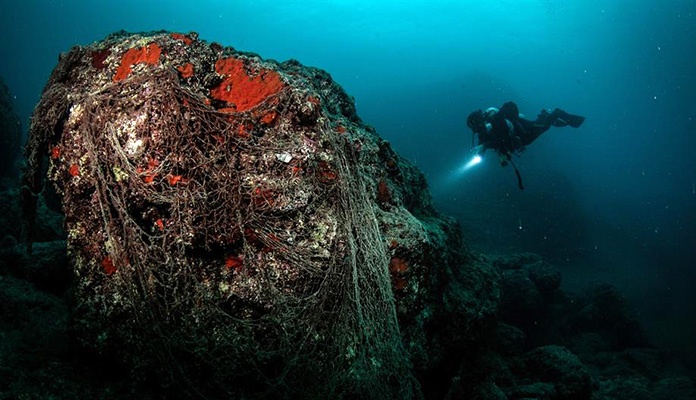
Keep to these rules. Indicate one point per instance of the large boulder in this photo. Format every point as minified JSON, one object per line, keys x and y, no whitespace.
{"x":234,"y":227}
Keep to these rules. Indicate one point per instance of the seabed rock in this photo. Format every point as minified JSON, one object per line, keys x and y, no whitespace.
{"x":235,"y":229}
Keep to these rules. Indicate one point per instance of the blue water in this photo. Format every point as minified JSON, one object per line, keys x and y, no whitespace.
{"x":614,"y":200}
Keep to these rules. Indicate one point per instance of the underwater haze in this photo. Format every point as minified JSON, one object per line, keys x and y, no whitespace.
{"x":614,"y":200}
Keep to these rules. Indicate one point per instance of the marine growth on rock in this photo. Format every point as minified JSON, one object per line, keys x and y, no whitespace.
{"x":233,"y":224}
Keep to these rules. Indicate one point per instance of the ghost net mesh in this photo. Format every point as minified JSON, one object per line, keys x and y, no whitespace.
{"x":202,"y":251}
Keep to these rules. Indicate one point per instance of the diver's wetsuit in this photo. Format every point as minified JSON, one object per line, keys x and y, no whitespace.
{"x":506,"y":132}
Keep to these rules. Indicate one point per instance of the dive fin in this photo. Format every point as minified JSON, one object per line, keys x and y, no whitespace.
{"x":565,"y":119}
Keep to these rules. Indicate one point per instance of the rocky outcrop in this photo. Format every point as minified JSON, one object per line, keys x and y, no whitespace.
{"x":553,"y":345}
{"x":234,"y":227}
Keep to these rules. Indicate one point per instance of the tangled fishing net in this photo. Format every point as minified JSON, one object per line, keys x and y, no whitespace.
{"x":232,"y":224}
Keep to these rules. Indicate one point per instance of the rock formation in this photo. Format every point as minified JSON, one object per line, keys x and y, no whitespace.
{"x":234,"y":227}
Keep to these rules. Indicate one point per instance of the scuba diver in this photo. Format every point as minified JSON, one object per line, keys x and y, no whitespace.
{"x":507,"y":132}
